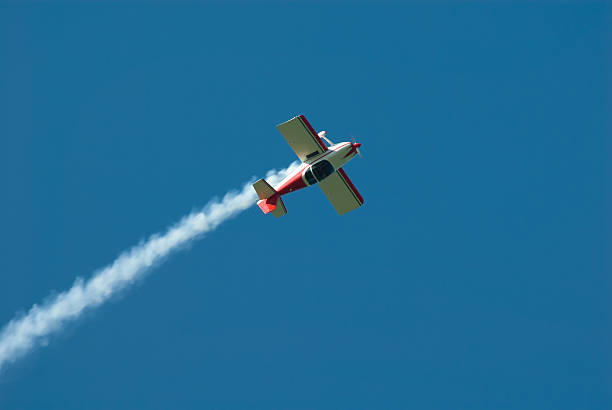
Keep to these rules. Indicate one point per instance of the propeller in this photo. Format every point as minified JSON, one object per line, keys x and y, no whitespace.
{"x":354,"y":149}
{"x":356,"y":145}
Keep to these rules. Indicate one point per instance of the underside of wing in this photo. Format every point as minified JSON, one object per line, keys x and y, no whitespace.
{"x":341,"y":192}
{"x":302,"y":138}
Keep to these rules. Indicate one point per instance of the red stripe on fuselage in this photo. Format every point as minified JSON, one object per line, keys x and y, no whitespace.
{"x":330,"y":151}
{"x":293,"y":184}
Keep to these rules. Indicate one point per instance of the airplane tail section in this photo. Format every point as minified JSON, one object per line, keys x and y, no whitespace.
{"x":269,"y":200}
{"x":263,"y":189}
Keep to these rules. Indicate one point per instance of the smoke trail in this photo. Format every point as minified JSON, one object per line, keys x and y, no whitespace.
{"x":22,"y":334}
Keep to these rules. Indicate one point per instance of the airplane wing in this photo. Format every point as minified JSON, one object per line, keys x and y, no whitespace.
{"x":302,"y":137}
{"x":341,"y":192}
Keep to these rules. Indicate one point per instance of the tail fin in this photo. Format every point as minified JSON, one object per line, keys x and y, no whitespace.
{"x":269,"y":201}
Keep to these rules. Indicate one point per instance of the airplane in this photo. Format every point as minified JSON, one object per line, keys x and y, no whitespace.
{"x":321,"y":164}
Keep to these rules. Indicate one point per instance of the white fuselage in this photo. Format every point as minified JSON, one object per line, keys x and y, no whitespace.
{"x":337,"y":155}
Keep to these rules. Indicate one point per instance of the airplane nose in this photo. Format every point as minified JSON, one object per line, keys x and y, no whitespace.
{"x":354,"y":149}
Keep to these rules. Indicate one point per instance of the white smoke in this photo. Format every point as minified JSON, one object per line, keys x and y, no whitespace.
{"x":22,"y":334}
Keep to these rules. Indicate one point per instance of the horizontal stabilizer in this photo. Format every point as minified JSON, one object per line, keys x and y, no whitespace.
{"x":280,"y":208}
{"x":263,"y":189}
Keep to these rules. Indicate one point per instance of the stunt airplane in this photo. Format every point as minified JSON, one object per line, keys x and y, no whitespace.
{"x":320,"y":164}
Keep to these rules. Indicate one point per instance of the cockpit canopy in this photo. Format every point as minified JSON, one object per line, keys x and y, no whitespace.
{"x":318,"y":172}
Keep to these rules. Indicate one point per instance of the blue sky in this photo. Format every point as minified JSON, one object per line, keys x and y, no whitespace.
{"x":475,"y":276}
